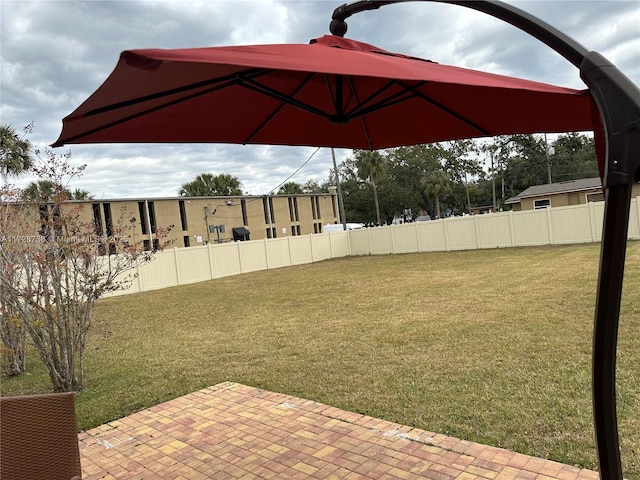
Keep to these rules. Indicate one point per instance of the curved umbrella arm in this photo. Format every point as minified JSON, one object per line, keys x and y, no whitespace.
{"x":554,"y":38}
{"x":618,"y":102}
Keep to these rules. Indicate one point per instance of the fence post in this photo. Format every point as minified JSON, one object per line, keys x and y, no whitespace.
{"x":417,"y":232}
{"x":477,"y":228}
{"x":592,"y":222}
{"x":210,"y":258}
{"x":139,"y":278}
{"x":266,"y":253}
{"x":446,"y":235}
{"x":289,"y":248}
{"x":176,"y":263}
{"x":393,"y":238}
{"x":239,"y":256}
{"x":548,"y":209}
{"x":512,"y":230}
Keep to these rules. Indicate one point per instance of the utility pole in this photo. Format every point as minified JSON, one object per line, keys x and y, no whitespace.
{"x":546,"y":152}
{"x":493,"y":182}
{"x":340,"y":199}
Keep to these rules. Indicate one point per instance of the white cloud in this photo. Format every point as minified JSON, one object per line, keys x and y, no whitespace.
{"x":56,"y":53}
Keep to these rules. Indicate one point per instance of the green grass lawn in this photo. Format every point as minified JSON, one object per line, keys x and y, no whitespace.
{"x":491,"y":346}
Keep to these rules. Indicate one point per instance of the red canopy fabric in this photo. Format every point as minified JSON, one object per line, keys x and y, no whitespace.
{"x":332,"y":92}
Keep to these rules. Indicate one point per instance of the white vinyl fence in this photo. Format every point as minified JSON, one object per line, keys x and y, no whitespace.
{"x":547,"y":226}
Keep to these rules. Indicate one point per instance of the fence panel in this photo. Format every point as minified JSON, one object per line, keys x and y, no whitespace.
{"x":321,"y":247}
{"x":300,"y":250}
{"x":277,"y":251}
{"x":494,"y":230}
{"x":159,"y":273}
{"x":530,"y":228}
{"x":461,"y":233}
{"x":252,"y":255}
{"x":571,"y":224}
{"x":190,"y":264}
{"x":359,"y":241}
{"x":380,"y":239}
{"x":432,"y":236}
{"x":224,"y":259}
{"x":340,"y":244}
{"x":405,"y":238}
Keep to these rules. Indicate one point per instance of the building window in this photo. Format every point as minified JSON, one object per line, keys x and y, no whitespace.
{"x":293,"y":209}
{"x":97,"y":219}
{"x":186,"y":240}
{"x":144,"y":220}
{"x":108,"y":224}
{"x":97,"y":222}
{"x":542,"y":203}
{"x":316,"y":201}
{"x":148,"y":221}
{"x":152,"y":216}
{"x":291,"y":217}
{"x":267,"y":213}
{"x":293,"y":230}
{"x":273,"y":213}
{"x":183,"y":216}
{"x":298,"y":230}
{"x":243,"y":206}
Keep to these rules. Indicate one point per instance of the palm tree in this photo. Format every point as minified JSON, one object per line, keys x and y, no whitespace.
{"x":208,"y":185}
{"x":47,"y":191}
{"x":437,"y":184}
{"x":290,"y":188}
{"x":15,"y":153}
{"x":80,"y":194}
{"x":227,"y":185}
{"x":371,"y":166}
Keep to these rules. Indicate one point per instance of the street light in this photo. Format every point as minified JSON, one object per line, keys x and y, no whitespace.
{"x":617,"y":133}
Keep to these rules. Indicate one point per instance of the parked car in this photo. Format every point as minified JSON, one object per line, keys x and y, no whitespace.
{"x":338,"y":227}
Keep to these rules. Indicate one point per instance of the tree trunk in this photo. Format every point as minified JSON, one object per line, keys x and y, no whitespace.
{"x":437,"y":206}
{"x":466,"y":187}
{"x":375,"y":199}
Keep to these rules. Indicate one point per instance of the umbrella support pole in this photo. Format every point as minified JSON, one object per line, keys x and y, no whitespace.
{"x":618,"y":103}
{"x":605,"y":331}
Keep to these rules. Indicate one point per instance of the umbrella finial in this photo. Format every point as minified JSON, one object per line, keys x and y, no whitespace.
{"x":338,"y":28}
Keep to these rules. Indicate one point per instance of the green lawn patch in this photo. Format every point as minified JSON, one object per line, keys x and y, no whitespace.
{"x":492,"y":346}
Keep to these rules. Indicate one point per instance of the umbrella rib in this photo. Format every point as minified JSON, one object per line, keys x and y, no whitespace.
{"x":227,"y":79}
{"x":278,"y":108}
{"x":398,"y":97}
{"x":437,"y":104}
{"x":270,"y":92}
{"x":363,"y":123}
{"x":152,"y":109}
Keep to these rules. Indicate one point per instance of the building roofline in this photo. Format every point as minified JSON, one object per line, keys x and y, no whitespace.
{"x":571,"y":186}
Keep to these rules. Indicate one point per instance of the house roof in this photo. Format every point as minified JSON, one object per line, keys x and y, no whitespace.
{"x":555,"y":188}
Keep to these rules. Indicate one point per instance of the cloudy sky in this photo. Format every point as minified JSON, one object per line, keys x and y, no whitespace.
{"x":55,"y":53}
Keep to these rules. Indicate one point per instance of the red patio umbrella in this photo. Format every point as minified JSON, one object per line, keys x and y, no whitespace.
{"x":332,"y":92}
{"x":342,"y":93}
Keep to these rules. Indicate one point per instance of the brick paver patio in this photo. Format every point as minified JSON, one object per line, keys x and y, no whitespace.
{"x":233,"y":431}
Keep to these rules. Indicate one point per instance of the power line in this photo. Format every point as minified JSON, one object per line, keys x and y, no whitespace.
{"x":297,"y":170}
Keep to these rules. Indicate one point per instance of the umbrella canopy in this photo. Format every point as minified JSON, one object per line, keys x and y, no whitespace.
{"x":331,"y":92}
